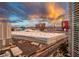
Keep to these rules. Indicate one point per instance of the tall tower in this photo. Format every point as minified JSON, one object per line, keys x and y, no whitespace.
{"x":74,"y":29}
{"x":5,"y":32}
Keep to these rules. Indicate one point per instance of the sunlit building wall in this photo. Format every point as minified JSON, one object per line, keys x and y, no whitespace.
{"x":5,"y":32}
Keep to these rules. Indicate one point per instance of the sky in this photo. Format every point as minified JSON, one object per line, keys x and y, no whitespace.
{"x":17,"y":12}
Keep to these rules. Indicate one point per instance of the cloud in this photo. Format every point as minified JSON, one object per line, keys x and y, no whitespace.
{"x":22,"y":9}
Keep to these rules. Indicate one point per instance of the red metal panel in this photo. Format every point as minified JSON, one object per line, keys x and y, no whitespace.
{"x":65,"y":25}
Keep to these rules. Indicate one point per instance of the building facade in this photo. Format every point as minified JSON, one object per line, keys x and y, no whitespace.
{"x":74,"y":29}
{"x":5,"y":32}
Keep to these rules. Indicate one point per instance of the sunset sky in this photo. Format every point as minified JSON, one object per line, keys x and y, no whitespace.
{"x":18,"y":12}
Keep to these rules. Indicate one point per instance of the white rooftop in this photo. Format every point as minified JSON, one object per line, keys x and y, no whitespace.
{"x":38,"y":36}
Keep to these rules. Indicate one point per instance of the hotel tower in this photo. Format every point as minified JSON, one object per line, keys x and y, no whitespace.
{"x":74,"y":29}
{"x":5,"y":32}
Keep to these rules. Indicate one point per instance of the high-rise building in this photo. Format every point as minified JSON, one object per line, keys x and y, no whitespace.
{"x":74,"y":29}
{"x":5,"y":32}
